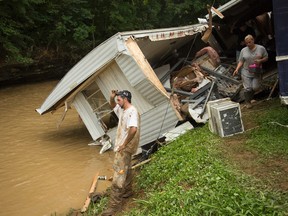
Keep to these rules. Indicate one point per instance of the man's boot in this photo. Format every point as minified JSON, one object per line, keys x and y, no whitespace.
{"x":128,"y":193}
{"x":115,"y":202}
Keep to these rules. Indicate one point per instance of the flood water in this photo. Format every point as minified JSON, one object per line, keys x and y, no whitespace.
{"x":44,"y":170}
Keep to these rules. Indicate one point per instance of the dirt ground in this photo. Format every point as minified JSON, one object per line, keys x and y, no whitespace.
{"x":272,"y":171}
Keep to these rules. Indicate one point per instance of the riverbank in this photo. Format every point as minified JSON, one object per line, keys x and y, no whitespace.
{"x":202,"y":174}
{"x":53,"y":69}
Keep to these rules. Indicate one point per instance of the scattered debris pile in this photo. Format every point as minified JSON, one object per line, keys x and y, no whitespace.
{"x":200,"y":80}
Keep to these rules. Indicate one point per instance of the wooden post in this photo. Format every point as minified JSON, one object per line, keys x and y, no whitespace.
{"x":208,"y":31}
{"x":92,"y":189}
{"x":140,"y":164}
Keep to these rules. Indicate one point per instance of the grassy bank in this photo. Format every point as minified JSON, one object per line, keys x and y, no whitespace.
{"x":194,"y":175}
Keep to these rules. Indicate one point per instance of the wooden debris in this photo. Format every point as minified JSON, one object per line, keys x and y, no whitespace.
{"x":91,"y":191}
{"x":142,"y":163}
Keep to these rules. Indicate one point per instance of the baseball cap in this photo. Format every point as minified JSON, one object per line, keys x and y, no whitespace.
{"x":125,"y":93}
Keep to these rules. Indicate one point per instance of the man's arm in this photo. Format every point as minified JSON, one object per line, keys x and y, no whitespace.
{"x":112,"y":99}
{"x":131,"y":133}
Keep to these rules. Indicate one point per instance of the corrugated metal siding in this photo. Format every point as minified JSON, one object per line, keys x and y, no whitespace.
{"x":131,"y":69}
{"x":92,"y":62}
{"x":152,"y":116}
{"x":176,"y":132}
{"x":88,"y":117}
{"x":139,"y":81}
{"x":150,"y":92}
{"x":113,"y":78}
{"x":157,"y":121}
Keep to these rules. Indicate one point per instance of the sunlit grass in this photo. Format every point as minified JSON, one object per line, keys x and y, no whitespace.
{"x":271,"y":137}
{"x":190,"y":176}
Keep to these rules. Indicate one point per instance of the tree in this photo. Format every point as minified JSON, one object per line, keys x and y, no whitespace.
{"x":13,"y":23}
{"x":40,"y":29}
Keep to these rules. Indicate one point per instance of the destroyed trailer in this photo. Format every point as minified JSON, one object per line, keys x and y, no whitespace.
{"x":172,"y":74}
{"x":139,"y":61}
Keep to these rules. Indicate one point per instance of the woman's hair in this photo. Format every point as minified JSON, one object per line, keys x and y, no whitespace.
{"x":249,"y":37}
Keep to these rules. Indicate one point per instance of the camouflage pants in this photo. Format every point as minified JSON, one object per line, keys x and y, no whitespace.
{"x":122,"y":178}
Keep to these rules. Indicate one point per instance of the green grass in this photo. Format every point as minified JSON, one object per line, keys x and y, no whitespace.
{"x":190,"y":176}
{"x":95,"y":208}
{"x":271,"y":138}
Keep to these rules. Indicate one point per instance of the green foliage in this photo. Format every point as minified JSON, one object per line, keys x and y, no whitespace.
{"x":188,"y":177}
{"x":96,"y":208}
{"x":70,"y":23}
{"x":13,"y":38}
{"x":270,"y":137}
{"x":71,"y":28}
{"x":29,"y":25}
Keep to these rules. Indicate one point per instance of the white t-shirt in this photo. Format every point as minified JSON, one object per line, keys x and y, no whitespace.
{"x":127,"y":118}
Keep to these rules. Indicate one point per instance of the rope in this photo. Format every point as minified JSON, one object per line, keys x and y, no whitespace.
{"x":268,"y":123}
{"x":278,"y":124}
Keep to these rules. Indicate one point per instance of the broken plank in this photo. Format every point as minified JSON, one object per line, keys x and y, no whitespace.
{"x":141,"y":163}
{"x":213,"y":73}
{"x":194,"y":103}
{"x":92,"y":189}
{"x":190,"y":95}
{"x":178,"y":91}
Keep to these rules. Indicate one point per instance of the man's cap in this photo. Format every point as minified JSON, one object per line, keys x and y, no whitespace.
{"x":125,"y":93}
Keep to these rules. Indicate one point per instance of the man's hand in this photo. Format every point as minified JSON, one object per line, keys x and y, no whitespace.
{"x":120,"y":148}
{"x":113,"y":93}
{"x":131,"y":133}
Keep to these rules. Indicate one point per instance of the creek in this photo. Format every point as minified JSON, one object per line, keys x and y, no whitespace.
{"x":44,"y":169}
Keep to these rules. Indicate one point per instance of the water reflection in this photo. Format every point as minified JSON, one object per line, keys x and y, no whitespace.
{"x":44,"y":169}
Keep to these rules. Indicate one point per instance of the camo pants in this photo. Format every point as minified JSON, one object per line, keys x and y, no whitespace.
{"x":122,"y":178}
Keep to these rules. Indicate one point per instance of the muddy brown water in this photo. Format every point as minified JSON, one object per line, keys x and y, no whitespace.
{"x":44,"y":170}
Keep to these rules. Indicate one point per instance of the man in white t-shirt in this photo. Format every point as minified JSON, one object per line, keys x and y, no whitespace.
{"x":126,"y":144}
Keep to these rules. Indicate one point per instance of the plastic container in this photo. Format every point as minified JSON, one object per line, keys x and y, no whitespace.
{"x":254,"y":68}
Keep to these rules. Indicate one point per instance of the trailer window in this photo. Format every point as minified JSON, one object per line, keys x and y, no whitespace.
{"x":100,"y":106}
